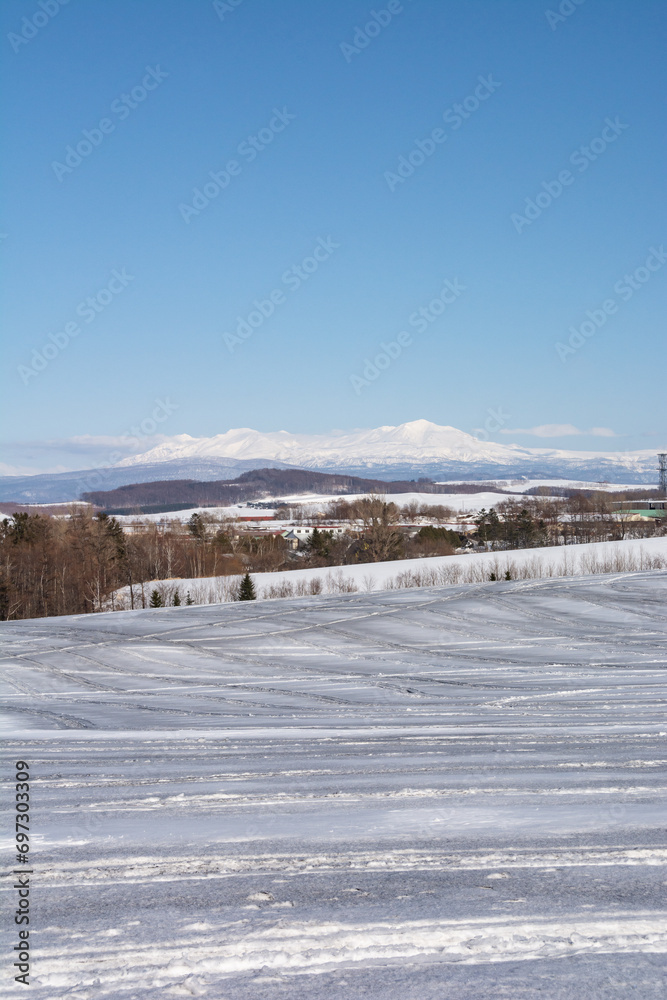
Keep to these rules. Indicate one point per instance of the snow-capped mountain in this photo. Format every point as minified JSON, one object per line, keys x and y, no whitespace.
{"x":408,"y":451}
{"x":418,"y":446}
{"x":417,"y":441}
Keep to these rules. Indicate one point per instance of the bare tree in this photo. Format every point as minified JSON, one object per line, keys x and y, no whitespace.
{"x":380,"y":539}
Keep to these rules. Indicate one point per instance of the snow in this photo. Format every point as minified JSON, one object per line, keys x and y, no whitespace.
{"x":524,"y":485}
{"x":459,"y":502}
{"x":411,"y":443}
{"x":463,"y":503}
{"x":60,"y":503}
{"x":450,"y":792}
{"x":549,"y":561}
{"x":218,"y":513}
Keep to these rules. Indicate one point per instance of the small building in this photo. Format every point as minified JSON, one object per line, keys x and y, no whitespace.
{"x":639,"y":510}
{"x":299,"y":536}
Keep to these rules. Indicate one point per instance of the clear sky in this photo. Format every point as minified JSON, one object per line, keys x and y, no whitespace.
{"x":540,"y":199}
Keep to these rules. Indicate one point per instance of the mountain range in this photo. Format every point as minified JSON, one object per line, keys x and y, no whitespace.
{"x":411,"y":450}
{"x":418,"y":447}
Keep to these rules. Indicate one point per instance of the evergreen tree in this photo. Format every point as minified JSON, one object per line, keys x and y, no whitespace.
{"x":429,"y":533}
{"x":4,"y":600}
{"x":156,"y":600}
{"x":247,"y":589}
{"x":188,"y":599}
{"x":508,"y":575}
{"x":488,"y":525}
{"x":114,"y":531}
{"x":319,"y":543}
{"x":197,"y":527}
{"x":177,"y":599}
{"x":525,"y":530}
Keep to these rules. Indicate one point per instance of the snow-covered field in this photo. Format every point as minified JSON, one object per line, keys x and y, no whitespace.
{"x":425,"y":794}
{"x":464,"y":503}
{"x":460,"y":503}
{"x":523,"y":485}
{"x":550,"y":561}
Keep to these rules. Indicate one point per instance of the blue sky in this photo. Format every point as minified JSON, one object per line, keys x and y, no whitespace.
{"x":315,"y":212}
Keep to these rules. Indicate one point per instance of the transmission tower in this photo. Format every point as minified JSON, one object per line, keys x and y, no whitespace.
{"x":662,"y":468}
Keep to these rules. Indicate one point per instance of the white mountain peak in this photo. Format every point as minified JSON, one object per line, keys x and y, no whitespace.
{"x":413,"y":442}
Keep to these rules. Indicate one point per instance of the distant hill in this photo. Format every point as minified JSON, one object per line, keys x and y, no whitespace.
{"x":257,"y":484}
{"x":58,"y":487}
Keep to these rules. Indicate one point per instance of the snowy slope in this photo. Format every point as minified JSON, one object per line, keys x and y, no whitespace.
{"x":314,"y":502}
{"x":524,"y":485}
{"x":414,"y":795}
{"x":416,"y":443}
{"x":547,"y":562}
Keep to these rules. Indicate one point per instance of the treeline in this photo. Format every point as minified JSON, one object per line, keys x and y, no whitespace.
{"x":75,"y":565}
{"x":64,"y":566}
{"x":523,"y":524}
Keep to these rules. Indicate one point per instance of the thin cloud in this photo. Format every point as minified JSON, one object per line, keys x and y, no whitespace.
{"x":90,"y":442}
{"x":134,"y":443}
{"x":26,"y":470}
{"x":560,"y":430}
